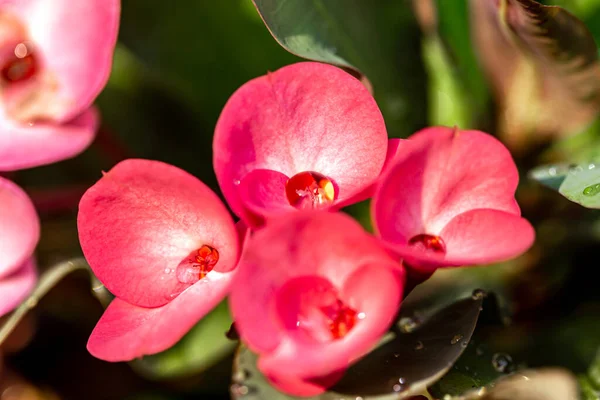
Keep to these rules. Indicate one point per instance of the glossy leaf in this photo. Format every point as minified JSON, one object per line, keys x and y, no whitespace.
{"x":197,"y":351}
{"x":543,"y":64}
{"x":381,"y":41}
{"x":582,"y":186}
{"x":422,"y":347}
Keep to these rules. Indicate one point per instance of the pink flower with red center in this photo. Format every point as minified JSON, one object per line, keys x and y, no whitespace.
{"x":314,"y":293}
{"x":448,"y":200}
{"x":165,"y":245}
{"x":308,"y":135}
{"x":19,"y":234}
{"x":55,"y":57}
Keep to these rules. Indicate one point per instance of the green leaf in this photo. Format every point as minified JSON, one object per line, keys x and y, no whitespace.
{"x":454,"y":29}
{"x":382,"y":41}
{"x":422,"y":347}
{"x":582,"y":186}
{"x":198,"y":350}
{"x":552,"y":175}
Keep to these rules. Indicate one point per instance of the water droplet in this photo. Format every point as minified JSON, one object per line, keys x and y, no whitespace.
{"x":401,"y":380}
{"x":591,"y":166}
{"x":236,"y":182}
{"x":309,"y":190}
{"x":464,"y":343}
{"x":396,"y":355}
{"x":239,"y":389}
{"x":407,"y":324}
{"x":478,"y":294}
{"x":361,"y":315}
{"x":239,"y":376}
{"x":456,"y":338}
{"x":419,"y":345}
{"x":397,"y":388}
{"x":592,"y":190}
{"x":167,"y":270}
{"x":428,"y":243}
{"x":197,"y":265}
{"x":552,"y":171}
{"x":21,"y":66}
{"x":501,"y":362}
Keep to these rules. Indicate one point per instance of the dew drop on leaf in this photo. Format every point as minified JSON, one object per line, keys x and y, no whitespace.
{"x":501,"y":362}
{"x":592,"y":190}
{"x":456,"y":339}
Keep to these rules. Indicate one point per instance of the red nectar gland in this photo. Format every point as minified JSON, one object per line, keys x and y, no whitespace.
{"x":206,"y":260}
{"x":428,"y":243}
{"x":309,"y":190}
{"x":21,"y":66}
{"x":341,"y":319}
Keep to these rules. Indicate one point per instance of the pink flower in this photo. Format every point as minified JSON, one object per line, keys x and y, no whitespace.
{"x":55,"y":57}
{"x":313,"y":294}
{"x":19,"y":234}
{"x":448,"y":200}
{"x":164,"y":244}
{"x":308,"y":135}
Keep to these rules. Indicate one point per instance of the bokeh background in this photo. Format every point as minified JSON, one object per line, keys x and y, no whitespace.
{"x":174,"y":68}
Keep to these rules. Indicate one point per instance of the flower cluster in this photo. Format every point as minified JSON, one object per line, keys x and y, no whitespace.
{"x":55,"y":57}
{"x":310,"y":290}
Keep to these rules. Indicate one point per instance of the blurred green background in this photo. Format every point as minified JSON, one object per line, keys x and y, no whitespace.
{"x":175,"y":66}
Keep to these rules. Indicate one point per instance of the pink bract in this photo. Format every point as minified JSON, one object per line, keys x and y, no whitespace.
{"x":313,"y":294}
{"x":55,"y":57}
{"x":19,"y":234}
{"x":304,"y":117}
{"x":149,"y":231}
{"x":457,"y":187}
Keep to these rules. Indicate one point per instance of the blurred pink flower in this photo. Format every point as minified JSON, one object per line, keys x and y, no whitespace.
{"x":314,"y":293}
{"x":165,"y":245}
{"x":19,"y":234}
{"x":308,"y":135}
{"x":55,"y":57}
{"x":448,"y":200}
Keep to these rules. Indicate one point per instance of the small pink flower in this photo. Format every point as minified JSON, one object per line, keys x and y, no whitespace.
{"x":165,"y":245}
{"x":313,"y":294}
{"x":19,"y":234}
{"x":55,"y":57}
{"x":448,"y":200}
{"x":308,"y":135}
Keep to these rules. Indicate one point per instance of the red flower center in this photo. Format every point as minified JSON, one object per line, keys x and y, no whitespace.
{"x":341,"y":318}
{"x":309,"y":190}
{"x":21,"y":66}
{"x":198,"y":264}
{"x":312,"y":304}
{"x":428,"y":243}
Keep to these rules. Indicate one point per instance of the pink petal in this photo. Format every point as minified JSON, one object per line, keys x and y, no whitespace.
{"x":486,"y":236}
{"x":14,"y":288}
{"x":23,"y":146}
{"x":309,"y":248}
{"x":126,"y":331}
{"x":141,"y":220}
{"x":394,"y":147}
{"x":481,"y":236}
{"x":19,"y":227}
{"x":303,"y":117}
{"x":440,"y":173}
{"x":262,"y":192}
{"x":76,"y":40}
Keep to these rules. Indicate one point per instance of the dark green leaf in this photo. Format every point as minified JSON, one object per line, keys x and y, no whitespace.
{"x":381,"y":41}
{"x":419,"y":351}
